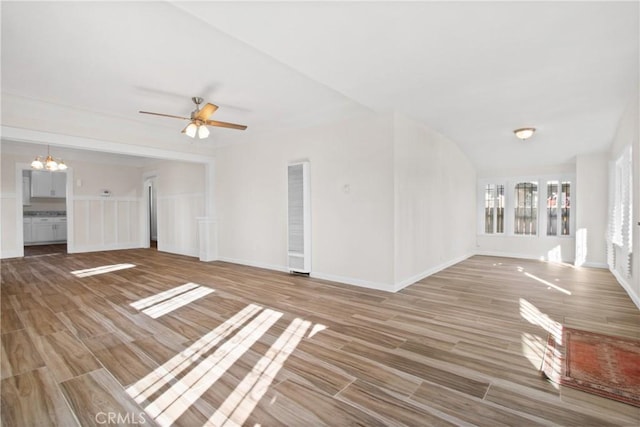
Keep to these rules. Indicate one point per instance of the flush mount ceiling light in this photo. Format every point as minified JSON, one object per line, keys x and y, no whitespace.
{"x":49,"y":163}
{"x":524,"y":133}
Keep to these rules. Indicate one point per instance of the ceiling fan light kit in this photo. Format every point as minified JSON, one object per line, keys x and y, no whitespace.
{"x":200,"y":119}
{"x":524,"y":133}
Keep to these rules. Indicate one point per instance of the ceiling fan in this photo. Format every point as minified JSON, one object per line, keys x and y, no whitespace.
{"x":199,"y":119}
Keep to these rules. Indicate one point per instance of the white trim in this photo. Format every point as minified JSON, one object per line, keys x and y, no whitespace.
{"x":100,"y":248}
{"x":104,"y":199}
{"x":514,"y":255}
{"x":14,"y":253}
{"x":19,"y":208}
{"x":595,"y":265}
{"x":148,"y":183}
{"x":274,"y":267}
{"x":411,"y":280}
{"x":353,"y":281}
{"x":191,"y":252}
{"x":61,"y":140}
{"x":627,"y":287}
{"x":208,"y":239}
{"x":330,"y":277}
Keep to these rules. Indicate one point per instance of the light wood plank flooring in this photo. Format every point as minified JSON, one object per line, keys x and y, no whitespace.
{"x":138,"y":336}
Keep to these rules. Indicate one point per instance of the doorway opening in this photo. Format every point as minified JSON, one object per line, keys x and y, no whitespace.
{"x":152,"y":211}
{"x":44,"y":212}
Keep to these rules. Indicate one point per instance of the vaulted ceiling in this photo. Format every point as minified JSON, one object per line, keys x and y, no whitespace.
{"x":473,"y":71}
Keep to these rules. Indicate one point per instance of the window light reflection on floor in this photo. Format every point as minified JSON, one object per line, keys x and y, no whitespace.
{"x":168,"y":392}
{"x":549,"y":284}
{"x":530,"y":313}
{"x":163,"y":375}
{"x":154,"y":299}
{"x":240,"y":403}
{"x":168,"y":301}
{"x":101,"y":270}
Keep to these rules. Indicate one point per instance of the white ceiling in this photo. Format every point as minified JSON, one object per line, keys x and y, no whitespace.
{"x":473,"y":71}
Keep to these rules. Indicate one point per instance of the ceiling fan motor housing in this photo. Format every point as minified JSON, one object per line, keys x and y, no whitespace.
{"x":196,"y":100}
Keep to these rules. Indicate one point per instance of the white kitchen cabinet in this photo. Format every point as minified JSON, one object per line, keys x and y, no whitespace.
{"x":27,"y":230}
{"x":59,"y":184}
{"x":49,"y":229}
{"x":48,"y":184}
{"x":42,"y":229}
{"x":26,"y":192}
{"x":60,"y":229}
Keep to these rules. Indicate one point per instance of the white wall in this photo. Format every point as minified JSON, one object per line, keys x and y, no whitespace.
{"x":352,"y":208}
{"x":435,"y":201}
{"x":94,"y":222}
{"x":391,"y":201}
{"x":543,"y":247}
{"x":627,"y":134}
{"x":10,"y":226}
{"x":180,"y":189}
{"x":592,"y":177}
{"x":99,"y":222}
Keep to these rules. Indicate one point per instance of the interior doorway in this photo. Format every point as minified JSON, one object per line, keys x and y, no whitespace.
{"x":152,"y":211}
{"x":44,"y":211}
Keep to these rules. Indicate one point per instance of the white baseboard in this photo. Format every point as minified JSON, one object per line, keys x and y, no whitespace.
{"x":413,"y":279}
{"x":627,"y":287}
{"x":354,"y":282}
{"x":192,"y":252}
{"x":315,"y":275}
{"x":254,"y":264}
{"x":595,"y":265}
{"x":14,"y":253}
{"x":76,"y":249}
{"x":514,"y":255}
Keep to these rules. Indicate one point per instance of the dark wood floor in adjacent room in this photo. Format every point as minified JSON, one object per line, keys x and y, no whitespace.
{"x":141,"y":336}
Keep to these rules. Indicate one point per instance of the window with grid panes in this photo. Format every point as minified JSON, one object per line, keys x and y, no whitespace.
{"x":526,"y":209}
{"x":494,"y":209}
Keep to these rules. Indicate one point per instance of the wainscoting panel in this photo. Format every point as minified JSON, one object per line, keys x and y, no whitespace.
{"x":10,"y":244}
{"x":106,"y":223}
{"x":178,"y":223}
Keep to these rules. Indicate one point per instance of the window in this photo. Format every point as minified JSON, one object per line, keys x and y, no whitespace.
{"x":519,"y":206}
{"x":558,"y":202}
{"x":620,"y":233}
{"x":526,"y":208}
{"x":494,"y":209}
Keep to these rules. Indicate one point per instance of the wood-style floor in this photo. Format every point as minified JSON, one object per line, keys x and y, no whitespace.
{"x":141,"y":337}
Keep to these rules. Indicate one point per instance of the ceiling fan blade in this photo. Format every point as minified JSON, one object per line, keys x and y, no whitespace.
{"x":206,"y":112}
{"x":225,"y":125}
{"x":165,"y":115}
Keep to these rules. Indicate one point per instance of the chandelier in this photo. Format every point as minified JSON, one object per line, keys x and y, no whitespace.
{"x":49,"y":163}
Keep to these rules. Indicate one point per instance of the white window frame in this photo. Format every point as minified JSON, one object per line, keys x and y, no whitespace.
{"x":572,"y":211}
{"x":481,"y":208}
{"x":510,"y":200}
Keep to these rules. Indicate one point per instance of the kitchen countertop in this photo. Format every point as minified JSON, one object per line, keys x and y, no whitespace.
{"x":45,"y":213}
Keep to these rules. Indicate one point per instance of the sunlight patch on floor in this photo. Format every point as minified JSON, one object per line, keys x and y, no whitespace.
{"x":142,"y":390}
{"x":172,"y":403}
{"x":168,"y":392}
{"x":101,"y":270}
{"x":533,"y":348}
{"x":316,"y":328}
{"x":549,"y":284}
{"x":530,"y":313}
{"x":168,"y":301}
{"x":238,"y":406}
{"x":162,"y":296}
